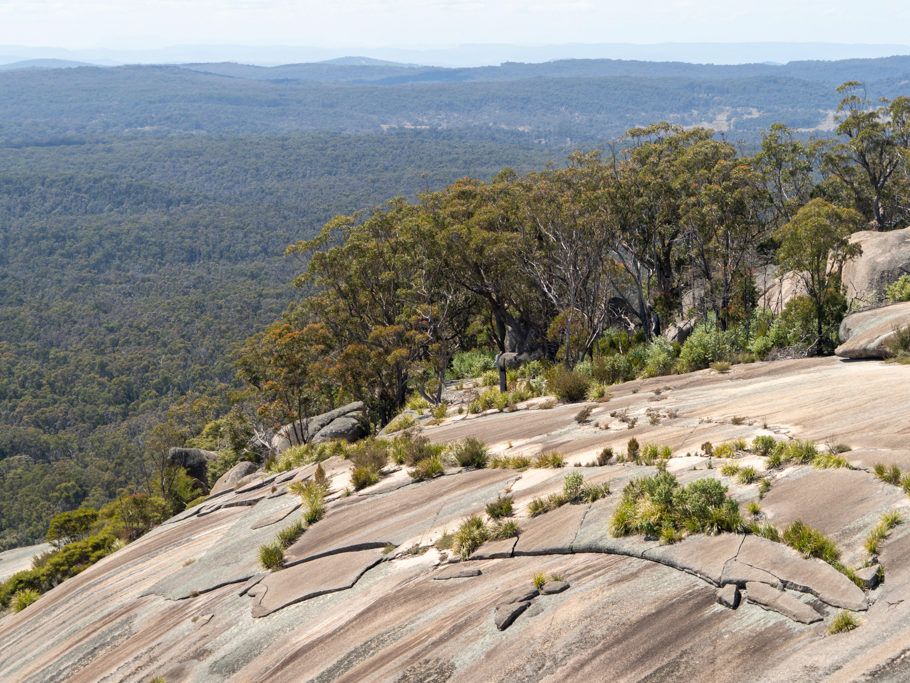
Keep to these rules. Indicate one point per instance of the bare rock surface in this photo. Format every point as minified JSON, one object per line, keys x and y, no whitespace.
{"x":782,"y":602}
{"x":885,"y":257}
{"x":728,"y":596}
{"x":866,"y":334}
{"x":230,"y":479}
{"x":19,"y":559}
{"x":180,"y":601}
{"x":495,"y":550}
{"x":506,"y":614}
{"x":310,"y":579}
{"x":554,"y":587}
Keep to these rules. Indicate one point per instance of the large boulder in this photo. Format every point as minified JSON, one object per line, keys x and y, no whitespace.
{"x":230,"y":479}
{"x":678,"y":332}
{"x":885,"y":257}
{"x":347,"y":422}
{"x":866,"y":334}
{"x":777,"y":292}
{"x":194,"y":460}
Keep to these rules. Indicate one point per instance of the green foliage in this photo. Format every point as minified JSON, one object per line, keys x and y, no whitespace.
{"x":501,"y":507}
{"x":23,"y":599}
{"x":402,"y":422}
{"x":470,"y":452}
{"x":361,"y":477}
{"x":811,"y":543}
{"x":899,"y":290}
{"x":824,"y":461}
{"x":843,"y":622}
{"x":599,"y":392}
{"x":471,"y":534}
{"x":660,"y":359}
{"x":703,"y":347}
{"x":763,"y":445}
{"x":567,"y":385}
{"x":746,"y":475}
{"x":427,"y":469}
{"x":766,"y":530}
{"x":899,"y":341}
{"x":312,"y":495}
{"x":289,"y":535}
{"x":71,"y":526}
{"x":504,"y":529}
{"x":551,"y":459}
{"x":512,"y":462}
{"x":658,"y":506}
{"x":880,"y":532}
{"x":889,"y":475}
{"x":470,"y":364}
{"x":271,"y":556}
{"x":799,"y":452}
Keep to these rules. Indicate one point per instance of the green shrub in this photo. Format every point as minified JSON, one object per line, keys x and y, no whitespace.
{"x":361,"y":477}
{"x":763,"y":445}
{"x":470,"y":452}
{"x":550,"y":459}
{"x":824,"y":461}
{"x":760,"y":346}
{"x":439,"y":412}
{"x":403,"y":421}
{"x":470,"y":535}
{"x":729,"y":469}
{"x":725,"y":450}
{"x":754,"y":507}
{"x":843,"y":622}
{"x":271,"y":556}
{"x":746,"y":475}
{"x":720,"y":366}
{"x":24,"y":598}
{"x":660,"y":357}
{"x":289,"y":535}
{"x":567,"y":385}
{"x":71,"y":526}
{"x":766,"y":530}
{"x":575,"y":489}
{"x":427,"y":469}
{"x":889,"y":475}
{"x":880,"y":532}
{"x":312,"y":495}
{"x":658,"y":506}
{"x":811,"y":543}
{"x":501,"y":507}
{"x":703,"y":347}
{"x":512,"y":462}
{"x":899,"y":290}
{"x":899,"y":342}
{"x":504,"y":529}
{"x":470,"y":364}
{"x":612,"y":369}
{"x":405,"y":449}
{"x":605,"y":456}
{"x":599,"y":392}
{"x":633,"y":450}
{"x":540,"y":505}
{"x":582,"y":416}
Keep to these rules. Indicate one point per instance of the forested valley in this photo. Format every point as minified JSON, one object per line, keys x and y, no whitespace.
{"x":145,"y":212}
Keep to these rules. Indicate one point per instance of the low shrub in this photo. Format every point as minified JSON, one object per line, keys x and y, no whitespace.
{"x":312,"y":495}
{"x":512,"y":462}
{"x":660,"y":358}
{"x":703,"y":347}
{"x":899,"y":290}
{"x":746,"y":475}
{"x":754,"y":507}
{"x":403,"y":421}
{"x":502,"y":530}
{"x":824,"y":461}
{"x":720,"y":366}
{"x":889,"y":475}
{"x":271,"y":556}
{"x":843,"y":622}
{"x":633,"y":450}
{"x":766,"y":530}
{"x":582,"y":416}
{"x":470,"y":452}
{"x":605,"y":456}
{"x":427,"y":469}
{"x":361,"y":477}
{"x":763,"y":445}
{"x":899,"y":342}
{"x":540,"y":505}
{"x":501,"y":507}
{"x":470,"y":364}
{"x":470,"y":535}
{"x":567,"y":385}
{"x":812,"y":543}
{"x":23,"y":599}
{"x":490,"y":378}
{"x":729,"y":469}
{"x":724,"y":450}
{"x":599,"y":392}
{"x":551,"y":459}
{"x":659,"y":506}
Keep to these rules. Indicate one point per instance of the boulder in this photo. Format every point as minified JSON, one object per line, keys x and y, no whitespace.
{"x":194,"y":460}
{"x":553,"y":587}
{"x":728,"y":596}
{"x":781,"y":602}
{"x":780,"y":291}
{"x":870,"y":576}
{"x":230,"y":479}
{"x":679,"y":332}
{"x":866,"y":334}
{"x":316,"y":429}
{"x":885,"y":257}
{"x":456,"y":572}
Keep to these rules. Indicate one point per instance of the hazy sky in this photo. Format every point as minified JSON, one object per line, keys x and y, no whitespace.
{"x":343,"y":23}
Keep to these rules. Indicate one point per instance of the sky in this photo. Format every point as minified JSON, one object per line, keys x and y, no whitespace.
{"x":142,"y":24}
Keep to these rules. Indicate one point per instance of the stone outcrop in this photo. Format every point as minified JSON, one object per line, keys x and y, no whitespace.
{"x":347,"y":422}
{"x":866,"y":334}
{"x":194,"y":460}
{"x":232,"y":477}
{"x":885,"y":257}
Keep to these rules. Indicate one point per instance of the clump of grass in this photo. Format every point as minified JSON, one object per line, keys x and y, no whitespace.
{"x":724,"y":450}
{"x":470,"y":535}
{"x":889,"y":475}
{"x":582,"y":416}
{"x":439,"y":411}
{"x":812,"y":543}
{"x":880,"y":532}
{"x":576,"y":489}
{"x":843,"y":622}
{"x":540,"y":505}
{"x":746,"y":475}
{"x":721,"y":366}
{"x":763,"y":445}
{"x":550,"y":459}
{"x":549,"y":403}
{"x":289,"y":535}
{"x":798,"y":452}
{"x":312,"y":495}
{"x":567,"y":385}
{"x":763,"y":487}
{"x":605,"y":456}
{"x":540,"y":579}
{"x":652,"y":454}
{"x":632,"y":450}
{"x":512,"y":462}
{"x":737,"y":420}
{"x":754,"y":507}
{"x":501,"y":507}
{"x":403,"y":421}
{"x":427,"y":468}
{"x":824,"y":461}
{"x":470,"y":452}
{"x":598,"y":392}
{"x":899,"y":341}
{"x":446,"y":541}
{"x":23,"y":598}
{"x":271,"y":556}
{"x":729,"y":469}
{"x":361,"y":477}
{"x":766,"y":530}
{"x":504,"y":529}
{"x":659,"y":506}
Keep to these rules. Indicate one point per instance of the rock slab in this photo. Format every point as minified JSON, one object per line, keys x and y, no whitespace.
{"x":728,"y":596}
{"x":504,"y":615}
{"x":783,"y":603}
{"x":866,"y":334}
